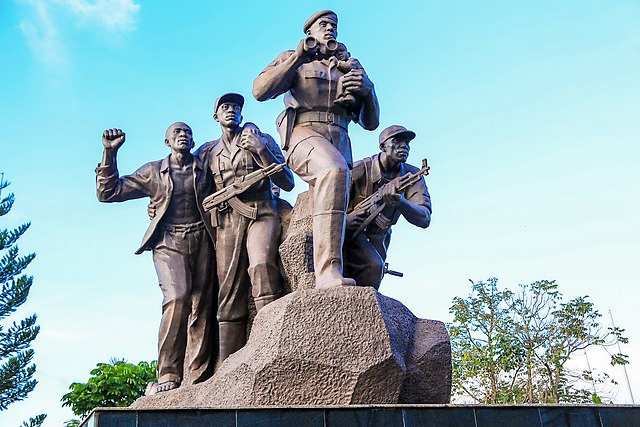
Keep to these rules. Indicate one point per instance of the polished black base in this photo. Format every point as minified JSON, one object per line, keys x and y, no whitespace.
{"x":374,"y":416}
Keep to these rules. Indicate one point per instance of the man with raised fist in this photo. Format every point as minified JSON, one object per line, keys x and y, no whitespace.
{"x":181,"y":241}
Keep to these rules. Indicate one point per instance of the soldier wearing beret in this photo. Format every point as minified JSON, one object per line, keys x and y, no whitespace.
{"x":314,"y":132}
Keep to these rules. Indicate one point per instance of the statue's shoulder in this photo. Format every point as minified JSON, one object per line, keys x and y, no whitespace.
{"x":205,"y":148}
{"x":155,"y":166}
{"x":410,"y":168}
{"x":360,"y":167}
{"x":283,"y":57}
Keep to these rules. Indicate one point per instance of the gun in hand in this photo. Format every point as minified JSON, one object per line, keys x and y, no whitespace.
{"x":373,"y":205}
{"x":218,"y":199}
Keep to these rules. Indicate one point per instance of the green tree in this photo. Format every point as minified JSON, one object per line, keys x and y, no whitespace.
{"x":513,"y":347}
{"x":116,"y":383}
{"x":16,"y":356}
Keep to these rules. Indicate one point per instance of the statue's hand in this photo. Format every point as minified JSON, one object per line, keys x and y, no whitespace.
{"x":112,"y":139}
{"x":357,"y":82}
{"x":151,"y":210}
{"x":306,"y":51}
{"x":251,"y":140}
{"x":354,"y":219}
{"x":390,"y":197}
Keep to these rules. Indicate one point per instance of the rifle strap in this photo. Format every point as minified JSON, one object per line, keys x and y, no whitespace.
{"x":235,"y":203}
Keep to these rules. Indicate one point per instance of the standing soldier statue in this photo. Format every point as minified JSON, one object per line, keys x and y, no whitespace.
{"x":180,"y":237}
{"x":247,"y":221}
{"x":314,"y":131}
{"x":383,"y":187}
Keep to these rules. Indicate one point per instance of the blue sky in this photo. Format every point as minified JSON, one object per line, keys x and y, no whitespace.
{"x":528,"y":113}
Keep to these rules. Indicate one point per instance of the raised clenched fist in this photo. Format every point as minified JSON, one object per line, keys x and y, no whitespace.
{"x":112,"y":138}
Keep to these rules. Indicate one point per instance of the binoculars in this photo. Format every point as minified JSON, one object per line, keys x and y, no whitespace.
{"x":312,"y":44}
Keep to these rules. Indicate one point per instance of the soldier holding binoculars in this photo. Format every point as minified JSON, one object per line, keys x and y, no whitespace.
{"x":314,"y":131}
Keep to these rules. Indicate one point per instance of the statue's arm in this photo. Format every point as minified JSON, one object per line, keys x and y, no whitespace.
{"x":110,"y":186}
{"x":357,"y":81}
{"x":278,"y":77}
{"x":369,"y":117}
{"x":415,"y":206}
{"x":284,"y":178}
{"x":266,"y":152}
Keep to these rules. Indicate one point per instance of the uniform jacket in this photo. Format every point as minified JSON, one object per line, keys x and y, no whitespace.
{"x":152,"y":180}
{"x":366,"y":178}
{"x":228,"y":168}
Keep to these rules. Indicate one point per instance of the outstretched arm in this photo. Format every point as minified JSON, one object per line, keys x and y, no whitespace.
{"x":110,"y":187}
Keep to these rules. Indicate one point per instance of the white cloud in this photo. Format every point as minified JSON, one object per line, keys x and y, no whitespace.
{"x":41,"y":27}
{"x":42,"y":35}
{"x":112,"y":14}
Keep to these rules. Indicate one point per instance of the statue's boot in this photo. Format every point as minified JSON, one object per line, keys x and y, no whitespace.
{"x":233,"y":336}
{"x":328,"y":237}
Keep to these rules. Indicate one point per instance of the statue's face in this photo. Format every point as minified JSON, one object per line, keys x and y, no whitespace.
{"x":229,"y":114}
{"x":325,"y":28}
{"x":179,"y":137}
{"x":397,"y":149}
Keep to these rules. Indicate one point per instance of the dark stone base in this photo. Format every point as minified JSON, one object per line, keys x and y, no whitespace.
{"x":374,"y":416}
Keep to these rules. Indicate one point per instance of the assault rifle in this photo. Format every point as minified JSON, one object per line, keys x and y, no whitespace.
{"x":227,"y":196}
{"x":373,"y":205}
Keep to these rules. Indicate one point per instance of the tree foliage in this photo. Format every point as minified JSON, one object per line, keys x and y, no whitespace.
{"x":116,"y":383}
{"x":16,"y":356}
{"x":513,"y":347}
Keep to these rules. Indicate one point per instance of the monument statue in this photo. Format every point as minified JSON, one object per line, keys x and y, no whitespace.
{"x":180,"y":237}
{"x":314,"y":131}
{"x":216,"y":235}
{"x":246,"y":218}
{"x":383,"y":187}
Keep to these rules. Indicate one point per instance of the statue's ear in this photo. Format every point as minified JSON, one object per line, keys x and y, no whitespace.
{"x":215,"y":117}
{"x":166,"y":142}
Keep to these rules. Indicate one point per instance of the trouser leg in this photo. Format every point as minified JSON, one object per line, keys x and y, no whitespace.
{"x":233,"y":280}
{"x":326,"y":171}
{"x":263,"y":236}
{"x":232,"y":338}
{"x":362,"y":262}
{"x":202,"y":329}
{"x":175,"y":283}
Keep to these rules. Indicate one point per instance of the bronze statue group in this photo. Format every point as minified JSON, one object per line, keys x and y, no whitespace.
{"x":215,"y":226}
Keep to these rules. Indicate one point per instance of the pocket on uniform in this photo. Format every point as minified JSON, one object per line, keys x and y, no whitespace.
{"x":299,"y":158}
{"x":315,"y":74}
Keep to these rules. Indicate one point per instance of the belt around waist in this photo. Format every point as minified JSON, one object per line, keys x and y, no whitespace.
{"x":183,"y":228}
{"x":322,"y":117}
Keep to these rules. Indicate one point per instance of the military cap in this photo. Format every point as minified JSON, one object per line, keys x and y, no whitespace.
{"x":313,"y":18}
{"x":231,"y":98}
{"x":396,"y":130}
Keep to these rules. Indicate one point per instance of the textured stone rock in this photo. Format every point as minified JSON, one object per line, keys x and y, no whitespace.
{"x":346,"y":345}
{"x":296,"y":251}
